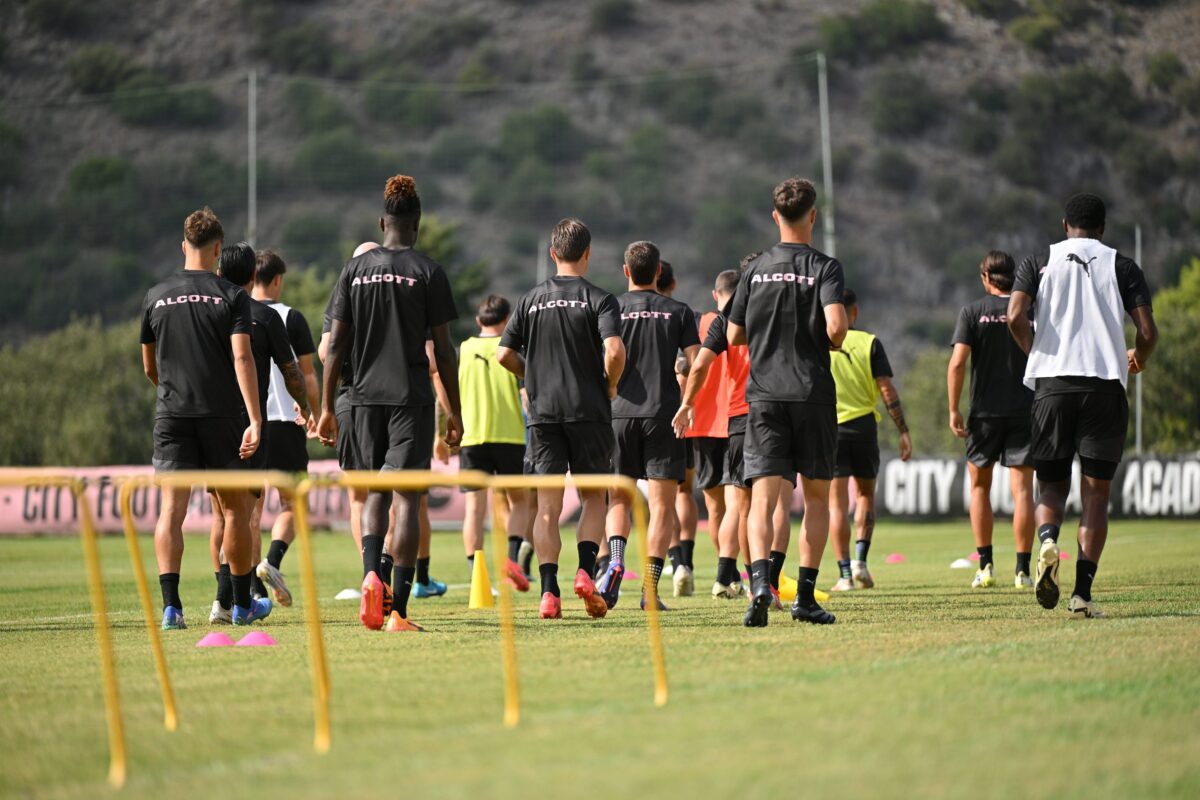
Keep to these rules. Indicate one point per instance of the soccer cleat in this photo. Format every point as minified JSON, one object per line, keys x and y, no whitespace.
{"x":602,"y":563}
{"x":1022,"y":581}
{"x":525,"y":557}
{"x":259,"y":609}
{"x":776,"y":603}
{"x":738,"y":587}
{"x":661,"y":605}
{"x":1045,"y":580}
{"x":1085,"y":609}
{"x":398,"y":624}
{"x":173,"y":619}
{"x":721,"y":591}
{"x":760,"y":608}
{"x":813,"y":614}
{"x":551,"y":607}
{"x":434,"y":588}
{"x":683,"y":582}
{"x":370,"y":607}
{"x":220,"y":615}
{"x":273,"y":578}
{"x":843,"y":585}
{"x":861,"y":575}
{"x":516,"y":577}
{"x":585,"y":590}
{"x":609,"y":585}
{"x":984,"y":578}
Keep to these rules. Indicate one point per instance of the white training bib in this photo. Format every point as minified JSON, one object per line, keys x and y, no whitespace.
{"x":279,"y":402}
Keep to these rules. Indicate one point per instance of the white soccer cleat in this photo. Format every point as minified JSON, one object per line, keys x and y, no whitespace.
{"x":1023,"y":581}
{"x":683,"y":582}
{"x":984,"y":578}
{"x":1083,"y":609}
{"x":220,"y":616}
{"x":861,"y":575}
{"x":843,"y":585}
{"x":721,"y":591}
{"x":1045,"y":579}
{"x":274,"y":579}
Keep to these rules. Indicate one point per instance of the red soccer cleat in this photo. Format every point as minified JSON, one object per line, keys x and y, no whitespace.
{"x":516,"y":577}
{"x":370,"y":608}
{"x":551,"y":607}
{"x":585,"y":590}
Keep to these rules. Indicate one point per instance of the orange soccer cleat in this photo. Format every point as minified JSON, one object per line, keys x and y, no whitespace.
{"x":398,"y":624}
{"x":516,"y":577}
{"x":585,"y":590}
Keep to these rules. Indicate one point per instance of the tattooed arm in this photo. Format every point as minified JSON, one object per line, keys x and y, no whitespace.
{"x":891,"y":399}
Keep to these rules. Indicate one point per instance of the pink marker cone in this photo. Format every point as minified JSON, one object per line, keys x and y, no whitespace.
{"x":895,"y":558}
{"x":256,"y":639}
{"x":215,"y":639}
{"x":629,"y":575}
{"x":1063,"y":555}
{"x":974,"y":556}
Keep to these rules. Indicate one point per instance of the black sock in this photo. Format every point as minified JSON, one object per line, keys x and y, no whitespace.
{"x":588,"y":551}
{"x":1048,"y":531}
{"x":372,"y":551}
{"x":422,"y":571}
{"x":241,"y":589}
{"x":689,"y":550}
{"x":726,"y":571}
{"x":676,"y":555}
{"x":1085,"y":573}
{"x":616,"y":550}
{"x":402,"y":583}
{"x":861,"y":548}
{"x":777,"y":559}
{"x":985,"y":555}
{"x":549,"y":573}
{"x":386,"y":565}
{"x":807,"y":584}
{"x":844,"y":568}
{"x":471,"y":564}
{"x":514,"y":547}
{"x":276,"y":552}
{"x":651,"y":579}
{"x":1023,"y":562}
{"x":527,"y":564}
{"x":257,"y":587}
{"x":169,"y":583}
{"x":224,"y":587}
{"x":760,"y":575}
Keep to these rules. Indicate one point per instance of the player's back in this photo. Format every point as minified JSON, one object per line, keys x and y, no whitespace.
{"x":997,"y":362}
{"x":654,"y":329}
{"x":737,"y":366}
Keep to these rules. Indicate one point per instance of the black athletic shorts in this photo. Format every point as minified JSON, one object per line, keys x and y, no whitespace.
{"x":347,"y":450}
{"x":731,"y":474}
{"x":493,"y":458}
{"x":1003,"y":439}
{"x":289,"y":447}
{"x":785,"y":438}
{"x":689,"y":455}
{"x":710,"y":460}
{"x":1090,"y":424}
{"x":857,"y":458}
{"x":193,"y":443}
{"x":584,"y":448}
{"x":648,"y":448}
{"x":393,"y":438}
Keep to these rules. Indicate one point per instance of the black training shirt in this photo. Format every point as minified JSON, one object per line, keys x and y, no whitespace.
{"x":997,"y":363}
{"x":391,"y":297}
{"x":781,"y":300}
{"x":561,"y":325}
{"x":269,"y":342}
{"x":298,"y":333}
{"x":347,"y":379}
{"x":654,"y":328}
{"x":189,"y":317}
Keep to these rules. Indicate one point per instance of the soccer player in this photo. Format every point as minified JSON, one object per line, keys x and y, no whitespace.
{"x":997,"y":428}
{"x":384,"y":301}
{"x":788,"y":310}
{"x":654,"y":329}
{"x":862,"y":374}
{"x":196,"y":350}
{"x":570,"y":332}
{"x":1078,"y":367}
{"x":288,"y":450}
{"x":493,"y":433}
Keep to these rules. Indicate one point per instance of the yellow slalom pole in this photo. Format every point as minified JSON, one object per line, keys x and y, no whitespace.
{"x":170,"y":713}
{"x":319,"y":667}
{"x":653,"y":622}
{"x":508,"y":638}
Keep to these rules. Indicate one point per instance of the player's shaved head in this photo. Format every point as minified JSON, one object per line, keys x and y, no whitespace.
{"x":726,"y":282}
{"x":1085,"y":213}
{"x":365,"y":247}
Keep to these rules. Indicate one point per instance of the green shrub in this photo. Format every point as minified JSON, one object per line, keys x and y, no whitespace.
{"x":393,"y":95}
{"x":338,"y":160}
{"x":480,"y":73}
{"x":106,"y":201}
{"x":893,"y":170}
{"x":978,"y":134}
{"x":1144,"y":164}
{"x":531,"y":192}
{"x":584,"y":67}
{"x":100,"y":173}
{"x":1087,"y":105}
{"x":435,"y":38}
{"x":995,"y":9}
{"x":902,"y":103}
{"x":100,"y":68}
{"x":988,"y":95}
{"x":1021,"y":161}
{"x":453,"y":149}
{"x":722,"y":231}
{"x":175,"y":186}
{"x":613,"y":15}
{"x":12,"y":148}
{"x":731,"y":113}
{"x":59,"y":16}
{"x":1069,"y":12}
{"x":684,"y":101}
{"x":312,"y":108}
{"x":881,"y":27}
{"x":314,"y":239}
{"x":1035,"y":31}
{"x":1164,"y":69}
{"x":1187,"y":93}
{"x":545,"y":133}
{"x":644,"y":179}
{"x":305,"y":47}
{"x":147,"y":99}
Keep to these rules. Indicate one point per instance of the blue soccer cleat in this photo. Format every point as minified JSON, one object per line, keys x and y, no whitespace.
{"x":609,"y":585}
{"x":434,"y":588}
{"x":260,"y":608}
{"x":173,"y":619}
{"x":661,"y":605}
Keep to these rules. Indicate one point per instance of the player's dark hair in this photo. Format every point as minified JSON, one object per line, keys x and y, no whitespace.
{"x":727,"y":281}
{"x":570,"y":239}
{"x":237,"y":263}
{"x":999,"y":268}
{"x":269,"y":266}
{"x":202,"y":227}
{"x":643,"y":259}
{"x":493,"y":310}
{"x":400,"y":199}
{"x":1086,"y":212}
{"x":849,"y":298}
{"x":748,"y":259}
{"x":666,"y":278}
{"x":794,"y":198}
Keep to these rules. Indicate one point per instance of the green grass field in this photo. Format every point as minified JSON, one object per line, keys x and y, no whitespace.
{"x":924,"y":688}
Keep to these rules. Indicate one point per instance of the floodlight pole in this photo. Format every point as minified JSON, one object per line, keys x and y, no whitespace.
{"x":826,"y":154}
{"x":1137,"y":379}
{"x":252,"y":157}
